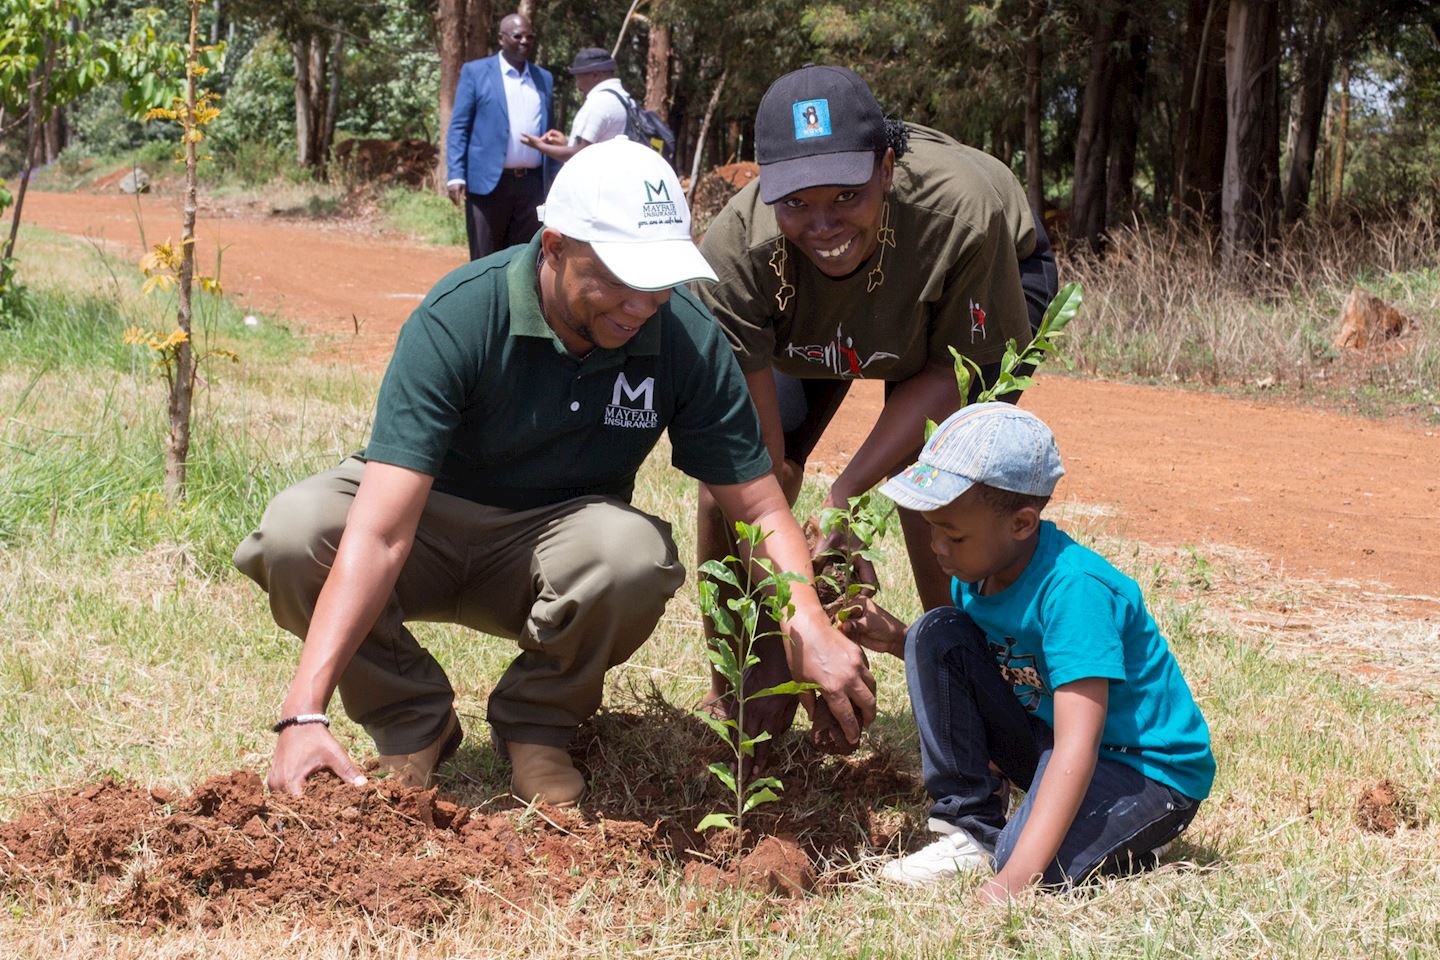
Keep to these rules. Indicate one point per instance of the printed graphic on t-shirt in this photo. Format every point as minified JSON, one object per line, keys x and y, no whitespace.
{"x":632,"y":406}
{"x":1020,"y":672}
{"x":839,"y":356}
{"x":977,"y":321}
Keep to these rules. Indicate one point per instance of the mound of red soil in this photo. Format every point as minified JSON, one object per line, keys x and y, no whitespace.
{"x":1384,"y":808}
{"x":231,"y":848}
{"x":410,"y":857}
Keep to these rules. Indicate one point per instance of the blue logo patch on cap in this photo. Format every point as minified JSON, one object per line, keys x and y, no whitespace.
{"x":812,"y":119}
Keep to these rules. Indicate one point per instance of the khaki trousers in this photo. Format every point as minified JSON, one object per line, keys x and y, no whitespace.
{"x":579,"y":585}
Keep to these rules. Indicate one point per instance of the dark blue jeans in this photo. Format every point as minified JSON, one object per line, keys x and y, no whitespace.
{"x":968,"y":717}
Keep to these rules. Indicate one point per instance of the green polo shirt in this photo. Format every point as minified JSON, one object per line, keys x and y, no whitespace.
{"x":482,"y":395}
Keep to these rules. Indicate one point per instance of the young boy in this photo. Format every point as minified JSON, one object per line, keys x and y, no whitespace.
{"x":1048,"y":668}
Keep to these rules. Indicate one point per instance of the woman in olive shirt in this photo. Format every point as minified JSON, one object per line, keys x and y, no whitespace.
{"x":866,"y":248}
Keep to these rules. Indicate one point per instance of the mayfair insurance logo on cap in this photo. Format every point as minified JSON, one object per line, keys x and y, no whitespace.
{"x":658,"y":208}
{"x":812,"y":119}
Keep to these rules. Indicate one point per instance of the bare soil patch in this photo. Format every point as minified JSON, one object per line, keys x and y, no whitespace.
{"x":411,"y":857}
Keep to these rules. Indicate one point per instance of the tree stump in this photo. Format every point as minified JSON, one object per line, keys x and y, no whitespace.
{"x":1366,"y":320}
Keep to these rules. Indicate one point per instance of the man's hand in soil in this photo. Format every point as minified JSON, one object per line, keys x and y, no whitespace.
{"x":457,"y":193}
{"x":875,"y":628}
{"x":304,"y":749}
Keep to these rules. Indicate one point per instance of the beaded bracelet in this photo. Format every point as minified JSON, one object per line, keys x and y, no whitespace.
{"x":300,"y":720}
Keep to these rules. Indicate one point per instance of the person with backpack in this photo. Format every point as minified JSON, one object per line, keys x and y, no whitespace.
{"x":608,"y":112}
{"x":603,"y":115}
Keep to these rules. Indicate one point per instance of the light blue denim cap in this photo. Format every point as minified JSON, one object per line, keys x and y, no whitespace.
{"x":996,"y":444}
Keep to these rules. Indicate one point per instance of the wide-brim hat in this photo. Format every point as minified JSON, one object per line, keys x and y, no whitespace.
{"x":591,"y":60}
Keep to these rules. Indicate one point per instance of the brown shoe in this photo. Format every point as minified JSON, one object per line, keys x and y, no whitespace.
{"x":543,"y":774}
{"x":418,"y":768}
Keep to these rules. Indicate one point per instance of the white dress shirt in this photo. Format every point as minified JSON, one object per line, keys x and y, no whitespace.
{"x":522,"y":98}
{"x":601,"y":116}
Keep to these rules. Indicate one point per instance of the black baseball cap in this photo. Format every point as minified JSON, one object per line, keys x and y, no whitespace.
{"x":816,"y":126}
{"x":591,"y":60}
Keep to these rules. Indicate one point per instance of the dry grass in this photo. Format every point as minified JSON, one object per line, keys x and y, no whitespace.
{"x":1159,"y":306}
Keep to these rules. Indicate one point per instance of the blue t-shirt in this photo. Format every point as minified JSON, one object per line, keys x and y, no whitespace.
{"x":1072,"y":616}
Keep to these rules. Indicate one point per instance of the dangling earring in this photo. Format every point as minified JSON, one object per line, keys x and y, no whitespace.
{"x":886,"y":238}
{"x":777,"y":263}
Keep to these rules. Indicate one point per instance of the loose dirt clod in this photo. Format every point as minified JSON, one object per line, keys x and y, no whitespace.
{"x":1384,"y":807}
{"x":229,"y":848}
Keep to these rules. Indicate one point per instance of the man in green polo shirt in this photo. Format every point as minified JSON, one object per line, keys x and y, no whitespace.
{"x":522,"y":398}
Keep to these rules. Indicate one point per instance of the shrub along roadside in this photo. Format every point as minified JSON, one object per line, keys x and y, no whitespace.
{"x":1159,"y":307}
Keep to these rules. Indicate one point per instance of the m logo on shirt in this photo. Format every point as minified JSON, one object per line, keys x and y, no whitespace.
{"x":632,"y":406}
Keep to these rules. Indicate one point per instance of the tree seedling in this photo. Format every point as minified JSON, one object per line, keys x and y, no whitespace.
{"x":738,"y":629}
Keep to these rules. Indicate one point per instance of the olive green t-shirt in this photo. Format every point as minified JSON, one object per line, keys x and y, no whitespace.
{"x":961,"y":225}
{"x":482,"y":395}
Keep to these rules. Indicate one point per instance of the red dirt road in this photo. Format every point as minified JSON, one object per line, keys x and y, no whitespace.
{"x":1322,"y":495}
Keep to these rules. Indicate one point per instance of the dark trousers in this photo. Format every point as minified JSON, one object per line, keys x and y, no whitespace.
{"x":506,"y":215}
{"x":968,"y":717}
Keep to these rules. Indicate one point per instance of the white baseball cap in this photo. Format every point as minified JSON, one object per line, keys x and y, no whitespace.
{"x":623,"y":199}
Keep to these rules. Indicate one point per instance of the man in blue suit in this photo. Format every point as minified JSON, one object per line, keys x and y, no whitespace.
{"x":499,"y":178}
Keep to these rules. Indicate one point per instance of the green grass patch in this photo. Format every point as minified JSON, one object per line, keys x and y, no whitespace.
{"x":425,"y":215}
{"x":129,"y":646}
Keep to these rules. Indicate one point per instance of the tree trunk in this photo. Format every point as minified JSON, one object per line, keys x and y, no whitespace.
{"x":54,"y":130}
{"x":1200,"y":146}
{"x":1342,"y":133}
{"x":1092,"y":145}
{"x":705,"y":129}
{"x":332,"y":97}
{"x":1307,"y":111}
{"x":1120,"y":182}
{"x":526,"y":9}
{"x":657,"y":69}
{"x":182,"y":387}
{"x":304,"y":134}
{"x":1252,"y":151}
{"x":39,"y":84}
{"x":462,"y":32}
{"x":1034,"y":141}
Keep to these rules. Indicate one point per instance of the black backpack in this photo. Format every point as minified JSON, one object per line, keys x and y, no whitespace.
{"x":645,"y":126}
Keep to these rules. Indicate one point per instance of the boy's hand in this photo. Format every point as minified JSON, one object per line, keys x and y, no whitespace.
{"x":875,"y":628}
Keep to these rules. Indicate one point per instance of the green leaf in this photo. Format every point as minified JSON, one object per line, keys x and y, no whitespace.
{"x":787,"y":689}
{"x":713,"y":820}
{"x":723,"y":774}
{"x":765,"y":795}
{"x":716,"y":570}
{"x":760,"y":782}
{"x":724,"y":623}
{"x":722,"y":728}
{"x":1062,"y":309}
{"x":749,"y":745}
{"x":930,"y":427}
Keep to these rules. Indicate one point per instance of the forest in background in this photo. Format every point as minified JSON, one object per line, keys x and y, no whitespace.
{"x":1239,"y":117}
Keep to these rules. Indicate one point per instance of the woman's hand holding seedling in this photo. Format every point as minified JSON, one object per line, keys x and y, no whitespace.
{"x":875,"y":628}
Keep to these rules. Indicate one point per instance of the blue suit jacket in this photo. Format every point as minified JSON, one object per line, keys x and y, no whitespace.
{"x":480,"y":125}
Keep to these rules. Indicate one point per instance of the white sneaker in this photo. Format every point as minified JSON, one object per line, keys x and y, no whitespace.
{"x":953,"y":853}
